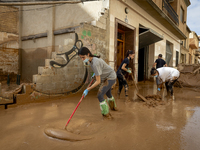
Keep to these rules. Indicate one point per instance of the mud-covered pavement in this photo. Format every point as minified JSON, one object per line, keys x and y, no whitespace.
{"x":173,"y":126}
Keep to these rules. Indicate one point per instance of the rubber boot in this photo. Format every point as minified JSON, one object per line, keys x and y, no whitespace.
{"x":112,"y":103}
{"x":105,"y":109}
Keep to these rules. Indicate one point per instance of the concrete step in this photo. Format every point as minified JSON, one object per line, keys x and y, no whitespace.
{"x":46,"y":70}
{"x":59,"y":60}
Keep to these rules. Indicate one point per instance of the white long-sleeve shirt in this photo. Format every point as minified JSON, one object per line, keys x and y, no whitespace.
{"x":167,"y":73}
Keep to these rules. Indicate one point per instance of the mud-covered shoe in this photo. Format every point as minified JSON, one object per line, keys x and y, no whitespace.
{"x":112,"y":103}
{"x":104,"y":108}
{"x":107,"y":116}
{"x":127,"y":100}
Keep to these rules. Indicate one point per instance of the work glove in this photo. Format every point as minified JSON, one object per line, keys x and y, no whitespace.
{"x":129,"y":71}
{"x":93,"y":75}
{"x":85,"y":93}
{"x":158,"y":89}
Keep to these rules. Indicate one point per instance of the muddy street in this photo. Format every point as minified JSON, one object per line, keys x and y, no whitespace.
{"x":174,"y":125}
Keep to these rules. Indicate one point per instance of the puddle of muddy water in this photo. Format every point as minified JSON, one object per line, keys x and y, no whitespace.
{"x":135,"y":126}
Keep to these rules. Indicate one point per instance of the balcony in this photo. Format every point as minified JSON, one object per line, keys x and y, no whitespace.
{"x":167,"y":8}
{"x":157,"y":12}
{"x":194,"y":43}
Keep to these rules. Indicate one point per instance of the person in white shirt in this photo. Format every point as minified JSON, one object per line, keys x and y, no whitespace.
{"x":168,"y":76}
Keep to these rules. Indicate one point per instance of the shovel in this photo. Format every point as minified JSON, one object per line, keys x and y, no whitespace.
{"x":140,"y":96}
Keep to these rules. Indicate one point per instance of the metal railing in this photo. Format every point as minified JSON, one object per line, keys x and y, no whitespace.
{"x":170,"y":12}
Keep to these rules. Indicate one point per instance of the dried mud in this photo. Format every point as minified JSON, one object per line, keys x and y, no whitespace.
{"x":189,"y":76}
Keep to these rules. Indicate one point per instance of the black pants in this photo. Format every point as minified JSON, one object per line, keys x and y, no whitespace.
{"x":122,"y":82}
{"x":169,"y":86}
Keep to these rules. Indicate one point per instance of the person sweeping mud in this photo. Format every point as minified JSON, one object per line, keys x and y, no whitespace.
{"x":122,"y":71}
{"x":168,"y":76}
{"x":104,"y":74}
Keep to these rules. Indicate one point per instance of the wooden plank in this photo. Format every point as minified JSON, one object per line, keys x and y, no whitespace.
{"x":66,"y":30}
{"x":142,"y":97}
{"x":36,"y":36}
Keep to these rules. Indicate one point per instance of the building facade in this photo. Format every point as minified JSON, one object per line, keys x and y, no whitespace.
{"x":108,"y":28}
{"x":184,"y":57}
{"x":193,"y":48}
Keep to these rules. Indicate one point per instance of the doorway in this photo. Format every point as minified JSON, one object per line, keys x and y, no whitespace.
{"x":147,"y":37}
{"x":143,"y":56}
{"x":125,"y":40}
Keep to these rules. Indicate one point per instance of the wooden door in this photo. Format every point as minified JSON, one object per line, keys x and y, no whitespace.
{"x":120,"y":47}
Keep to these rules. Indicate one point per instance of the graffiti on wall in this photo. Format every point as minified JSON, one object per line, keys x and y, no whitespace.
{"x":70,"y":54}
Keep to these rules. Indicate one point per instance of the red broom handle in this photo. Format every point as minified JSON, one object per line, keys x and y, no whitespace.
{"x":77,"y":106}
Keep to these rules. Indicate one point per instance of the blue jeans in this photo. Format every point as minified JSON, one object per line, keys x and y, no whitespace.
{"x":105,"y":88}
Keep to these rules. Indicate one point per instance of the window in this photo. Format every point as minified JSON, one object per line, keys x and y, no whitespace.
{"x":168,"y":53}
{"x":184,"y":43}
{"x":190,"y":59}
{"x":177,"y":56}
{"x":182,"y":58}
{"x":185,"y":59}
{"x":182,"y":15}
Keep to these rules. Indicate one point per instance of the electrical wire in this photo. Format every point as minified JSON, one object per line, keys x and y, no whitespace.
{"x":34,"y":9}
{"x":32,"y":1}
{"x":39,"y":9}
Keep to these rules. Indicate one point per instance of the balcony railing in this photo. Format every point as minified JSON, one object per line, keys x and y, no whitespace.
{"x":167,"y":8}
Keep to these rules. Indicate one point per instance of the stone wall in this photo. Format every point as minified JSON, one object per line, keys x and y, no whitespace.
{"x":9,"y":19}
{"x":9,"y":55}
{"x":9,"y":45}
{"x":51,"y":80}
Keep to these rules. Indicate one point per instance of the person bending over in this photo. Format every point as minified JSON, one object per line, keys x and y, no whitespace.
{"x":159,"y":63}
{"x":168,"y":76}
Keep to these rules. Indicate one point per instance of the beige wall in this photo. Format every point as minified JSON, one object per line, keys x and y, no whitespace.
{"x":176,"y":5}
{"x":135,"y":17}
{"x":182,"y":25}
{"x":158,"y":3}
{"x":185,"y":49}
{"x":193,"y":41}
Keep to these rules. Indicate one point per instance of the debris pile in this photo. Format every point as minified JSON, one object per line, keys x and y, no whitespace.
{"x":189,"y":76}
{"x":154,"y":100}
